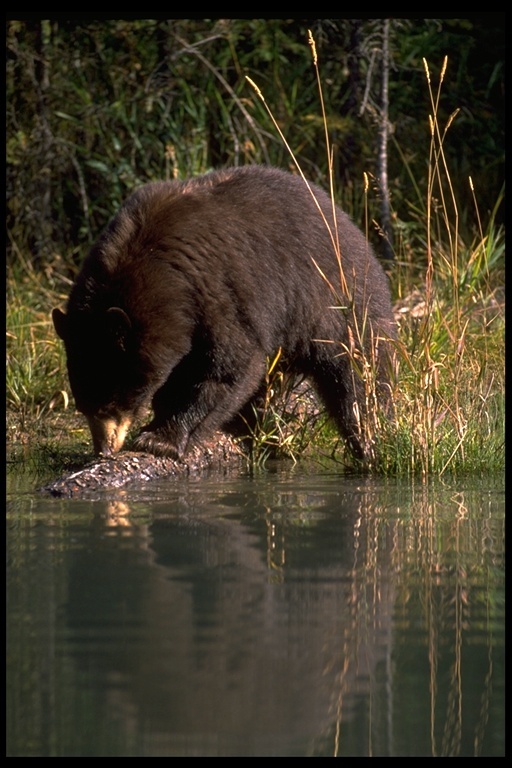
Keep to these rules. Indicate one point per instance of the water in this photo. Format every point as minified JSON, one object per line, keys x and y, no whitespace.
{"x":293,"y":613}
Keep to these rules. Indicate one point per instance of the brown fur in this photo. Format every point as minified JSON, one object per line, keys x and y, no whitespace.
{"x":194,"y":284}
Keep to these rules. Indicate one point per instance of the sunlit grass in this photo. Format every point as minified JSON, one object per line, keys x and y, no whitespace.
{"x":450,"y":399}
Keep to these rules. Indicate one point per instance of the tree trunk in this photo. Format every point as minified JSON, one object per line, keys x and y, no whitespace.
{"x":387,"y":244}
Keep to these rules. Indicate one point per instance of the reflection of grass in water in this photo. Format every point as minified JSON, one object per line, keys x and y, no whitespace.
{"x":440,"y":569}
{"x":428,"y":580}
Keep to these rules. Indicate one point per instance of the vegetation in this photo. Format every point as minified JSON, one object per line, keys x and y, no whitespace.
{"x":95,"y":109}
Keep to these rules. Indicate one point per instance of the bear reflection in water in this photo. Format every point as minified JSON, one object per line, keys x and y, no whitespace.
{"x":194,"y":285}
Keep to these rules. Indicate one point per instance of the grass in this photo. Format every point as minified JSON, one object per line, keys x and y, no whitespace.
{"x":449,"y":392}
{"x":450,"y":403}
{"x":34,"y":359}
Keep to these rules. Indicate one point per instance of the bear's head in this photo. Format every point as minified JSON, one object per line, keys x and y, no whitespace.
{"x":105,"y":381}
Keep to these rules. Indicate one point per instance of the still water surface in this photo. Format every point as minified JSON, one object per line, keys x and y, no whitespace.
{"x":292,"y":613}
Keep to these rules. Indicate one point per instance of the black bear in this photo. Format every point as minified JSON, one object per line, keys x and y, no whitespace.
{"x":195,"y":284}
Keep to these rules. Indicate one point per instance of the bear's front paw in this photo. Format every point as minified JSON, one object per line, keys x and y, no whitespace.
{"x":159,"y":445}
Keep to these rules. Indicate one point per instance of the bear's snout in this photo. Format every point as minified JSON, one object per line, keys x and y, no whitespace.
{"x":108,"y":434}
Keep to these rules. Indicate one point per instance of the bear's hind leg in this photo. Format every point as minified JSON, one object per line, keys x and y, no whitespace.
{"x":343,"y":396}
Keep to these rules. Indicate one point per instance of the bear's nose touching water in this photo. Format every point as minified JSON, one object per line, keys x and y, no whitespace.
{"x":195,"y":284}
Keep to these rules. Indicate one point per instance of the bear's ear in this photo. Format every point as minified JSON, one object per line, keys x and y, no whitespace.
{"x":60,"y":323}
{"x":119,"y":326}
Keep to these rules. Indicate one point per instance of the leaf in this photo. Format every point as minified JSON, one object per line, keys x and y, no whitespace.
{"x":98,"y":165}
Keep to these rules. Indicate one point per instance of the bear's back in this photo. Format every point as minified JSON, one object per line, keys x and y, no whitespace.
{"x":237,"y":238}
{"x":238,"y":213}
